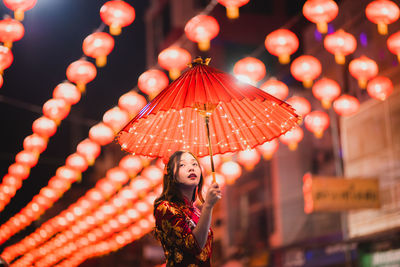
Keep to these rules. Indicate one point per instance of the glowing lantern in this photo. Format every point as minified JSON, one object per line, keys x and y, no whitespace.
{"x":231,"y":170}
{"x":382,"y":12}
{"x":232,"y":7}
{"x":275,"y":88}
{"x":341,"y":44}
{"x":154,"y":174}
{"x":19,"y":170}
{"x":300,"y":104}
{"x":68,"y":174}
{"x":76,"y":162}
{"x":306,"y":69}
{"x":49,"y":193}
{"x":6,"y":58}
{"x":117,"y":14}
{"x":201,"y":29}
{"x":12,"y":181}
{"x":28,"y":158}
{"x":101,"y":134}
{"x":44,"y":127}
{"x":19,"y":7}
{"x":116,"y":118}
{"x":132,"y":103}
{"x":292,"y":138}
{"x":174,"y":59}
{"x":320,"y":12}
{"x":317,"y":122}
{"x":268,"y":148}
{"x":117,"y":175}
{"x":59,"y":184}
{"x":393,"y":44}
{"x":326,"y":90}
{"x":380,"y":87}
{"x":56,"y":109}
{"x":108,"y":188}
{"x":346,"y":105}
{"x":363,"y":69}
{"x":10,"y":31}
{"x":248,"y":158}
{"x":35,"y":143}
{"x":89,"y":149}
{"x":98,"y":45}
{"x":152,"y":82}
{"x":282,"y":43}
{"x":68,"y":92}
{"x":81,"y":72}
{"x":140,"y":185}
{"x":131,"y":164}
{"x":250,"y":67}
{"x":95,"y":196}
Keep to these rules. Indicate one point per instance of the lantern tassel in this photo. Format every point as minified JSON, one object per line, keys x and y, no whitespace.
{"x":232,"y":12}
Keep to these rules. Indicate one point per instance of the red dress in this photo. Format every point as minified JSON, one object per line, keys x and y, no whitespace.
{"x":174,"y":225}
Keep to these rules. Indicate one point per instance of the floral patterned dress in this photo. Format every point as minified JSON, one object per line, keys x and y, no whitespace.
{"x":174,"y":225}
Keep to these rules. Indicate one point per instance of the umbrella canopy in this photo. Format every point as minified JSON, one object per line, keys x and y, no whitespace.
{"x":241,"y":116}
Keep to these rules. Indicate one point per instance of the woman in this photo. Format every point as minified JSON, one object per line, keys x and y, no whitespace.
{"x":184,"y":232}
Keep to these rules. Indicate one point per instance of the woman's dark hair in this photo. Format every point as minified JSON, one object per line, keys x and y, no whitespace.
{"x":171,"y":190}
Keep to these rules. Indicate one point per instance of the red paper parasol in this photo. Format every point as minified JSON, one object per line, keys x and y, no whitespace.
{"x":203,"y":106}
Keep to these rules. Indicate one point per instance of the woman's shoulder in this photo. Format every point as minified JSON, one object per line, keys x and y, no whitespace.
{"x":167,"y":207}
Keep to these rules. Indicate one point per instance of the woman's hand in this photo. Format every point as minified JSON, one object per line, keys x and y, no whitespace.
{"x":213,"y":195}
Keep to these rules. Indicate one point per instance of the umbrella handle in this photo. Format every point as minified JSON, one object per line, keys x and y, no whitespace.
{"x":207,"y":119}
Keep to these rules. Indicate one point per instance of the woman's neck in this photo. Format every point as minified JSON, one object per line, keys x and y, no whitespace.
{"x":187,"y":192}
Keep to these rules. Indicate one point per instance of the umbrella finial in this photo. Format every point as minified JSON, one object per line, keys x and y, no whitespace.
{"x":200,"y":61}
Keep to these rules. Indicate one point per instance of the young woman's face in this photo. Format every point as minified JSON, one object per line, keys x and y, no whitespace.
{"x":189,"y":171}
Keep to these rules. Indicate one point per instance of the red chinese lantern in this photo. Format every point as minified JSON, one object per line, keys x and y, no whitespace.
{"x":117,"y":14}
{"x":152,"y":82}
{"x":275,"y":88}
{"x":116,"y":118}
{"x":232,"y":7}
{"x":248,"y":158}
{"x":89,"y":149}
{"x":300,"y":104}
{"x":107,"y":188}
{"x":11,"y":31}
{"x":231,"y":170}
{"x":268,"y":149}
{"x":201,"y":29}
{"x":132,"y":103}
{"x":131,"y":164}
{"x":44,"y":127}
{"x":380,"y":87}
{"x":174,"y":59}
{"x":59,"y":184}
{"x":320,"y":12}
{"x":101,"y":134}
{"x":68,"y":174}
{"x":6,"y":58}
{"x":341,"y":44}
{"x":35,"y":143}
{"x":393,"y":44}
{"x":12,"y":181}
{"x":317,"y":122}
{"x":49,"y":193}
{"x":363,"y":69}
{"x":117,"y":175}
{"x":98,"y":45}
{"x":77,"y":162}
{"x":19,"y":7}
{"x":306,"y":69}
{"x":292,"y":138}
{"x":19,"y":170}
{"x":282,"y":43}
{"x":250,"y":67}
{"x":154,"y":174}
{"x":56,"y":109}
{"x":326,"y":90}
{"x":28,"y":158}
{"x":382,"y":13}
{"x":67,"y":91}
{"x":346,"y":105}
{"x":81,"y":72}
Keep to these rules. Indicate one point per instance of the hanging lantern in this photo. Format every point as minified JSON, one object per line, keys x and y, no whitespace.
{"x":101,"y":134}
{"x":77,"y":162}
{"x":28,"y":158}
{"x":12,"y":181}
{"x":320,"y":12}
{"x":116,"y":119}
{"x":81,"y":72}
{"x":276,"y":88}
{"x":67,"y":91}
{"x":250,"y":67}
{"x":326,"y":90}
{"x":98,"y":45}
{"x":201,"y":29}
{"x":306,"y":69}
{"x":117,"y":14}
{"x":107,"y":188}
{"x":56,"y":109}
{"x":268,"y":149}
{"x":131,"y":164}
{"x":132,"y":103}
{"x":174,"y":59}
{"x":11,"y":30}
{"x":117,"y":175}
{"x":152,"y":82}
{"x":19,"y":170}
{"x":282,"y":43}
{"x":89,"y":149}
{"x":300,"y":104}
{"x":317,"y":122}
{"x":19,"y":7}
{"x":380,"y":87}
{"x":68,"y":174}
{"x":346,"y":105}
{"x":95,"y":196}
{"x":6,"y":58}
{"x":341,"y":44}
{"x":363,"y":69}
{"x":248,"y":158}
{"x":35,"y":143}
{"x":393,"y":44}
{"x":154,"y":174}
{"x":44,"y":127}
{"x":231,"y":170}
{"x":232,"y":7}
{"x":292,"y":138}
{"x":382,"y":13}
